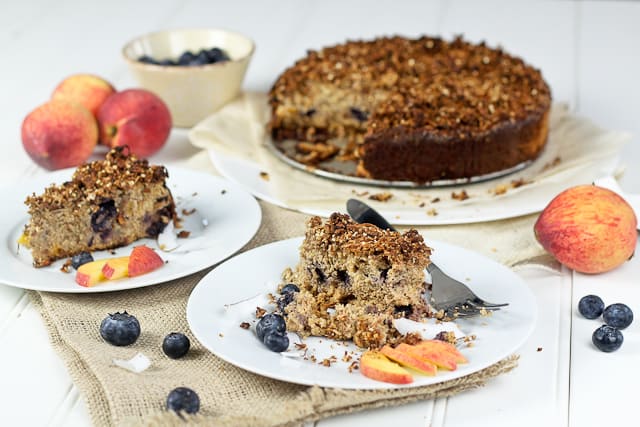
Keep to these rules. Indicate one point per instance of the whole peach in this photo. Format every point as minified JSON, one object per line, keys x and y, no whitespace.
{"x":86,"y":89}
{"x":589,"y":229}
{"x":137,"y":118}
{"x":59,"y":134}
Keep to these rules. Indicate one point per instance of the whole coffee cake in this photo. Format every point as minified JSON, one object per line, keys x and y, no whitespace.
{"x":107,"y":204}
{"x":413,"y":109}
{"x":354,"y":279}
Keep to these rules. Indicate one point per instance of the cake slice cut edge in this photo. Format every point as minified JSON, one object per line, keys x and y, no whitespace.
{"x":107,"y":204}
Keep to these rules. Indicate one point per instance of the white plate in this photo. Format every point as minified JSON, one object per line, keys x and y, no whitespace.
{"x":249,"y":277}
{"x":231,"y":214}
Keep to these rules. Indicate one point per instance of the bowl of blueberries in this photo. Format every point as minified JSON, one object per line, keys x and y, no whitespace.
{"x":194,"y":71}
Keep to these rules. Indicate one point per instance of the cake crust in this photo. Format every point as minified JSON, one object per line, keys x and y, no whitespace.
{"x":474,"y":106}
{"x":106,"y":204}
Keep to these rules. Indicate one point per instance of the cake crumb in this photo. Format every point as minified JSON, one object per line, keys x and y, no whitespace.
{"x":381,"y":197}
{"x":260,"y":312}
{"x":66,"y":267}
{"x":186,"y":212}
{"x":539,"y":349}
{"x":264,"y":175}
{"x":432,"y":212}
{"x":183,"y":234}
{"x":245,"y":325}
{"x":462,"y":195}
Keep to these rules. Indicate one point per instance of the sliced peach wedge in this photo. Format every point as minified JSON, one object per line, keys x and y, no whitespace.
{"x":90,"y":274}
{"x":375,"y":365}
{"x":406,"y":357}
{"x":142,"y":260}
{"x":439,"y":345}
{"x":116,"y":268}
{"x":437,"y":357}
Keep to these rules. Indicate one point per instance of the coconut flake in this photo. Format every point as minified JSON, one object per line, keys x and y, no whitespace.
{"x":136,"y":364}
{"x":167,"y":240}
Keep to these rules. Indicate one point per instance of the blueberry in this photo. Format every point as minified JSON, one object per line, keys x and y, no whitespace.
{"x":120,"y":329}
{"x":216,"y":54}
{"x":186,"y":58}
{"x":607,"y":338}
{"x":289,"y":287}
{"x":102,"y":219}
{"x":82,"y":258}
{"x":275,"y":341}
{"x":166,"y":62}
{"x":288,"y":294}
{"x":358,"y":114}
{"x":591,"y":306}
{"x":176,"y":345}
{"x":183,"y":399}
{"x":147,"y":59}
{"x":618,"y":315}
{"x":269,"y":323}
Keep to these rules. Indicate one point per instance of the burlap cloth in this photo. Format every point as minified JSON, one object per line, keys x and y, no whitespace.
{"x":231,"y":396}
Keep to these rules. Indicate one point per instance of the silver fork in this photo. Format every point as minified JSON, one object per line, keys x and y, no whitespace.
{"x":448,"y":295}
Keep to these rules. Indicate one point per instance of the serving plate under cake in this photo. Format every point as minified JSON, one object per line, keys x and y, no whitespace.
{"x":228,"y":296}
{"x":219,"y":215}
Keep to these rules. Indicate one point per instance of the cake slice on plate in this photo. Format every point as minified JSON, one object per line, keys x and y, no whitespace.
{"x":354,"y":279}
{"x":107,"y":204}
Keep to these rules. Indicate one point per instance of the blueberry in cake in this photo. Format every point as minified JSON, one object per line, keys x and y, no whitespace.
{"x":107,"y":204}
{"x":416,"y":110}
{"x":353,"y":279}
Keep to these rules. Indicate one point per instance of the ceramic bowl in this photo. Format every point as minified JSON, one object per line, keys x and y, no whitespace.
{"x":192,"y":92}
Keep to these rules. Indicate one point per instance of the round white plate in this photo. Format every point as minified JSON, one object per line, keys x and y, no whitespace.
{"x":229,"y":295}
{"x":224,"y":219}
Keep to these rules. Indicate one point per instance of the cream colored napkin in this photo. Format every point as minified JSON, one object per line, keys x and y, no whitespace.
{"x":577,"y":152}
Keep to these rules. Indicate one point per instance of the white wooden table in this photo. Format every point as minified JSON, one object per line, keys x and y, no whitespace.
{"x":588,"y":51}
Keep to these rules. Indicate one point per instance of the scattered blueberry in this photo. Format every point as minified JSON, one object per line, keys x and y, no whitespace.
{"x":175,"y":345}
{"x":189,"y":59}
{"x":607,"y":338}
{"x":270,"y":323}
{"x":183,"y":399}
{"x":618,"y":315}
{"x":591,"y":306}
{"x":79,"y":259}
{"x":275,"y":341}
{"x":120,"y":329}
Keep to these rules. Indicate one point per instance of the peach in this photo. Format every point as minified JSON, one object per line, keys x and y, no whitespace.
{"x":59,"y":134}
{"x":376,"y":366}
{"x":407,"y":358}
{"x":136,"y":118}
{"x":142,"y":260}
{"x":589,"y":229}
{"x":90,"y":274}
{"x":439,"y":358}
{"x":86,"y":89}
{"x":442,"y":346}
{"x":116,"y":268}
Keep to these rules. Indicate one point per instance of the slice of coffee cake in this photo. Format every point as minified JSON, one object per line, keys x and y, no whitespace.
{"x":107,"y":204}
{"x":354,"y":279}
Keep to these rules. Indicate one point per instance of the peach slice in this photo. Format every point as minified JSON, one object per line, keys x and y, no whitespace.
{"x":376,"y":366}
{"x":438,"y":357}
{"x":116,"y":268}
{"x":410,"y":360}
{"x":142,"y":260}
{"x":90,"y":274}
{"x":443,"y":346}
